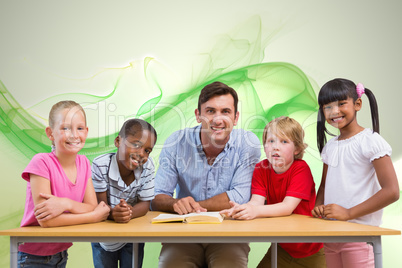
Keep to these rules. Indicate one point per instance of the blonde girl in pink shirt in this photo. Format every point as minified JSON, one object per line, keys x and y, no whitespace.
{"x":59,"y":188}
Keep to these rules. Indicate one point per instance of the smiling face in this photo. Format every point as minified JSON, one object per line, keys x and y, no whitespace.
{"x":133,"y":150}
{"x":342,"y":114}
{"x":217,"y":117}
{"x":280,"y":152}
{"x":69,"y":131}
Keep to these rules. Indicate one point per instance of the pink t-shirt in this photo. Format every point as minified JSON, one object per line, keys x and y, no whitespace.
{"x":48,"y":166}
{"x":297,"y":182}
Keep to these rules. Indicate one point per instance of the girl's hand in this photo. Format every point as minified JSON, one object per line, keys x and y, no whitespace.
{"x":334,"y":211}
{"x":50,"y":208}
{"x":245,"y":212}
{"x":101,"y":212}
{"x":229,"y":212}
{"x":122,"y":212}
{"x":318,"y":211}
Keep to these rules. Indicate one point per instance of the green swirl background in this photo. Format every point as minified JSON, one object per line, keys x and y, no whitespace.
{"x":150,"y":60}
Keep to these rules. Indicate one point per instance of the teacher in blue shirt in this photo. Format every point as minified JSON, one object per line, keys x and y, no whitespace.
{"x":208,"y":165}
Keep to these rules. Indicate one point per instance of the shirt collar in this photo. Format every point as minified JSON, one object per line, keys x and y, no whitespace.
{"x":197,"y":131}
{"x":114,"y":172}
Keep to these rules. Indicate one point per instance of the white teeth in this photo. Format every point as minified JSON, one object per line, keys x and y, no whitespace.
{"x":133,"y":160}
{"x":337,"y":119}
{"x":73,"y":143}
{"x":216,"y":128}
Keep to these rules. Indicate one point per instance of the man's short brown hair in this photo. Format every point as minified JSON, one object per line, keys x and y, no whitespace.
{"x":216,"y":89}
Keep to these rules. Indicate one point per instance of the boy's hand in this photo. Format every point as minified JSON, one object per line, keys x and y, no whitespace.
{"x":245,"y":212}
{"x":229,"y":212}
{"x":122,"y":212}
{"x":334,"y":211}
{"x":187,"y":205}
{"x":52,"y":207}
{"x":318,"y":211}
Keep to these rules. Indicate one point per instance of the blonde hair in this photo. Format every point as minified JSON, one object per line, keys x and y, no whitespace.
{"x":68,"y":104}
{"x":286,"y":127}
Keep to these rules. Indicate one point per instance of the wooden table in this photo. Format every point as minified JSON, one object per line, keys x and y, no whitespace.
{"x":294,"y":228}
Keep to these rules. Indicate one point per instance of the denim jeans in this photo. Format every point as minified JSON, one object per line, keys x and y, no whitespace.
{"x":58,"y":260}
{"x":110,"y":259}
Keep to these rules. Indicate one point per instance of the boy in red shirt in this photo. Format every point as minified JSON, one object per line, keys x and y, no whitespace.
{"x":283,"y":184}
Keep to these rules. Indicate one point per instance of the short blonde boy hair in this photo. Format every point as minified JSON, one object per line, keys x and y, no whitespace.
{"x":286,"y":127}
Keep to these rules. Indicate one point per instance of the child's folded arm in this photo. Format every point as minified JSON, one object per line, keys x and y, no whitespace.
{"x":140,"y":209}
{"x":100,"y":213}
{"x":48,"y":207}
{"x":284,"y":208}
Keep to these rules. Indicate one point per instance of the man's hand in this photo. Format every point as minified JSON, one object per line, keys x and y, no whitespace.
{"x":122,"y":212}
{"x":187,"y":205}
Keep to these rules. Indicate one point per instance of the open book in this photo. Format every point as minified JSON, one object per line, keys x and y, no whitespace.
{"x":202,"y":217}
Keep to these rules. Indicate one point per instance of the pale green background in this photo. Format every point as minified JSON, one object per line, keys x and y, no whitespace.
{"x":53,"y":47}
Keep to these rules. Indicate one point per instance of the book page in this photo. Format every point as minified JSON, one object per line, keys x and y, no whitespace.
{"x":202,"y":217}
{"x":168,"y":217}
{"x":208,"y":214}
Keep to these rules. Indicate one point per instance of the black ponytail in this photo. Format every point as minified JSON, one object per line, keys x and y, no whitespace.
{"x":374,"y":110}
{"x":321,"y":130}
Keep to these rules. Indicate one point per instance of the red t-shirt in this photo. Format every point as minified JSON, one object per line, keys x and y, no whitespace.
{"x":297,"y":182}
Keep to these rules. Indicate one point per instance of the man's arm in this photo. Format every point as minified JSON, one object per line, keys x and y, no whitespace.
{"x":216,"y":203}
{"x":163,"y":202}
{"x":249,"y":154}
{"x":165,"y":178}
